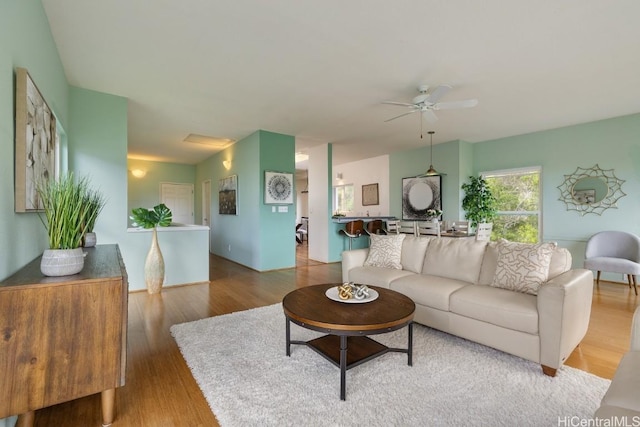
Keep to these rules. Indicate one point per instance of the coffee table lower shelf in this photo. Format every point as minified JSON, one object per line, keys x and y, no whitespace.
{"x":361,"y":349}
{"x":346,"y":351}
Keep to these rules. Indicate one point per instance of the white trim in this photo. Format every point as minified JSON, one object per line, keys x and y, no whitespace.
{"x":514,"y":171}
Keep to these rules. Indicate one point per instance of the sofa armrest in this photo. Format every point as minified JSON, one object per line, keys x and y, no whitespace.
{"x":635,"y":330}
{"x":564,"y":309}
{"x":351,"y":259}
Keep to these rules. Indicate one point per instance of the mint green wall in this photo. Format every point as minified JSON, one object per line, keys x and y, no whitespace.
{"x":98,"y":149}
{"x":145,"y":191}
{"x":25,"y":41}
{"x":451,"y":158}
{"x":277,"y":229}
{"x":234,"y":236}
{"x":255,"y":237}
{"x":612,"y":144}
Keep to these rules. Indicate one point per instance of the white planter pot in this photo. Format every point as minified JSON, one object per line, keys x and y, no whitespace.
{"x":90,"y":239}
{"x":62,"y":262}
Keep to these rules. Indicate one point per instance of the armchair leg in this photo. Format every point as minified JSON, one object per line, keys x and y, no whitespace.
{"x":598,"y":278}
{"x":635,"y":284}
{"x":549,"y":371}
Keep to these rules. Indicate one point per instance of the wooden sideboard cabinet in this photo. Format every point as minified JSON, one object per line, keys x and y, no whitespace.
{"x":62,"y":338}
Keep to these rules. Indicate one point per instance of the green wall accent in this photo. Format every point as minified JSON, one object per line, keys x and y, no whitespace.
{"x":98,"y":149}
{"x":145,"y":191}
{"x":255,"y":237}
{"x":612,"y":144}
{"x":277,"y":229}
{"x":25,"y":41}
{"x":450,"y":158}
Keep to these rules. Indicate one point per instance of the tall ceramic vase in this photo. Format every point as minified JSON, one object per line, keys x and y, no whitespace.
{"x":154,"y":266}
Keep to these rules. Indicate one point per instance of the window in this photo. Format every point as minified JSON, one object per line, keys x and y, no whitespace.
{"x":343,"y":198}
{"x":518,"y":202}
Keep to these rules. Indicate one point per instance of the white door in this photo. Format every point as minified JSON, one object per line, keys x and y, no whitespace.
{"x":206,"y":207}
{"x":178,"y":198}
{"x":206,"y":202}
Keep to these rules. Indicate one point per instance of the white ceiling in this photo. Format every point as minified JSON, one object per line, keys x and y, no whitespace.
{"x":319,"y":70}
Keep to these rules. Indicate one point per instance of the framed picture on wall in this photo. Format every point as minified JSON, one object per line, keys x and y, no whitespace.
{"x":278,"y":188}
{"x":228,"y":195}
{"x":36,"y":144}
{"x":420,"y":194}
{"x":370,"y":194}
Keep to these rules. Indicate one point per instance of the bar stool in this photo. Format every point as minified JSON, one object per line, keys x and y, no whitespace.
{"x":375,"y":227}
{"x":353,"y":230}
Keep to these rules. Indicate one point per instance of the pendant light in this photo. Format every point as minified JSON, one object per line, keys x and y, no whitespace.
{"x":432,"y":171}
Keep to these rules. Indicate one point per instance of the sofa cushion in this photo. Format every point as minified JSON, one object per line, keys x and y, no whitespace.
{"x":623,"y":391}
{"x":458,"y":259}
{"x":385,"y":251}
{"x":376,"y":276}
{"x":500,"y":307}
{"x":413,"y":251}
{"x":522,"y":267}
{"x":430,"y":291}
{"x":560,"y":263}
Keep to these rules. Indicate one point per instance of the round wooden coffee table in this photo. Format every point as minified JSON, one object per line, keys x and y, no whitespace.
{"x":347,"y":325}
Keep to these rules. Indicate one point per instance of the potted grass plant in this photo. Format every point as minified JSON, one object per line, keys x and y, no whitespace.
{"x":159,"y":216}
{"x":94,"y":202}
{"x":66,"y":218}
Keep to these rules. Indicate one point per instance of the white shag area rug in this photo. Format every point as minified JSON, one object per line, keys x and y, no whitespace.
{"x":239,"y":362}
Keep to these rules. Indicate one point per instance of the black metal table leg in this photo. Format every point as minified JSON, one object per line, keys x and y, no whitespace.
{"x":343,"y":367}
{"x":410,"y":345}
{"x":288,"y":337}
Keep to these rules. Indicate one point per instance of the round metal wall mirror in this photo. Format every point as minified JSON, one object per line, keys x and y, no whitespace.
{"x":591,"y":190}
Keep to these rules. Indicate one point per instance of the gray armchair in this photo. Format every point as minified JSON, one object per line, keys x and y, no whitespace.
{"x":614,"y":252}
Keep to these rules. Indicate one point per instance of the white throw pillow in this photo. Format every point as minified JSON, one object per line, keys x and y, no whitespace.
{"x":522,"y":267}
{"x":385,"y":251}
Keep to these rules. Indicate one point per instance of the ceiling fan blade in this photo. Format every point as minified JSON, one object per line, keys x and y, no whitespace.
{"x":456,"y":104}
{"x":437,"y":93}
{"x":429,"y":115}
{"x":401,"y":115}
{"x":404,"y":104}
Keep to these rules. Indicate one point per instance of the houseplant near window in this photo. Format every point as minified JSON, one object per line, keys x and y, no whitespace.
{"x":478,"y":203}
{"x":159,"y":216}
{"x":67,"y":216}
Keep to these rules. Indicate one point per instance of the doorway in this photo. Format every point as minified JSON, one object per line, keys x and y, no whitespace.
{"x":178,"y":198}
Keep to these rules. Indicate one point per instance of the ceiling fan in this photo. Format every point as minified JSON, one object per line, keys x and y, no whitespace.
{"x":427,"y":102}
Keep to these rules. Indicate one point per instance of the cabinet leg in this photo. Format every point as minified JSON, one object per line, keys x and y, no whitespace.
{"x":108,"y":406}
{"x":26,"y":419}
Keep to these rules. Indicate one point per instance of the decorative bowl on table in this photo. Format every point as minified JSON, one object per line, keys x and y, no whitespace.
{"x":352,"y":293}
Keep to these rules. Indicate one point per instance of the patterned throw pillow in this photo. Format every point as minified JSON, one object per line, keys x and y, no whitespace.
{"x":385,"y":251}
{"x":522,"y":267}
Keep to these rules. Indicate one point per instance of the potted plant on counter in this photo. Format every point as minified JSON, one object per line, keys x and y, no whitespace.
{"x":159,"y":216}
{"x":478,"y":203}
{"x":67,"y":218}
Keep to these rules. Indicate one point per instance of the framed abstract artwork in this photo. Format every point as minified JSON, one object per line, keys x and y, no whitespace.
{"x":370,"y":195}
{"x":420,"y":194}
{"x":228,"y":195}
{"x":278,"y":188}
{"x":36,"y":144}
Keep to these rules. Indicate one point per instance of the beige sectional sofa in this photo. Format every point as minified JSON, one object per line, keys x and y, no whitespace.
{"x":621,"y":404}
{"x":472,"y":289}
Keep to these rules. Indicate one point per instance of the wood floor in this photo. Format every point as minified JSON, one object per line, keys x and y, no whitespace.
{"x":160,"y":390}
